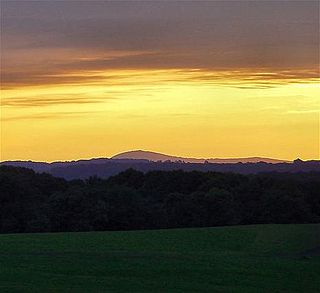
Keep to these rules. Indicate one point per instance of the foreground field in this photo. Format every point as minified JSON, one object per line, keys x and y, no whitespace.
{"x":262,"y":258}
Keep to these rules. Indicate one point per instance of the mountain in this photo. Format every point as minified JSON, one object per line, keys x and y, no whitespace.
{"x":105,"y":168}
{"x":151,"y":161}
{"x":155,"y":157}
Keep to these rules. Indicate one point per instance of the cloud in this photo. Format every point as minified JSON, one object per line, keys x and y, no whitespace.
{"x":51,"y":100}
{"x":312,"y":111}
{"x":144,"y":82}
{"x":44,"y":116}
{"x":256,"y":79}
{"x":44,"y":41}
{"x":41,"y":77}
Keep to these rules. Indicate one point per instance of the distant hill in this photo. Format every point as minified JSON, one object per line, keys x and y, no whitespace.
{"x":153,"y":156}
{"x":104,"y":167}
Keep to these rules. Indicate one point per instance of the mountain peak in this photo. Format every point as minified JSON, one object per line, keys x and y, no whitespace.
{"x":154,"y":156}
{"x":144,"y":155}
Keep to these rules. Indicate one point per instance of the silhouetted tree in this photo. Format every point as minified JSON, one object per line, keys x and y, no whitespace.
{"x":33,"y":202}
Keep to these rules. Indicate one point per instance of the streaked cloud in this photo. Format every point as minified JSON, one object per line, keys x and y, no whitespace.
{"x":240,"y":78}
{"x":48,"y":115}
{"x":50,"y":100}
{"x":42,"y":41}
{"x":313,"y":111}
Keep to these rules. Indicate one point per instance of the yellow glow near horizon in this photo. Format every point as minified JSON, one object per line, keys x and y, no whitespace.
{"x":192,"y":113}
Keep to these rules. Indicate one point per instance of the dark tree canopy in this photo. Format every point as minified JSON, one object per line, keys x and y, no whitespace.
{"x":34,"y":202}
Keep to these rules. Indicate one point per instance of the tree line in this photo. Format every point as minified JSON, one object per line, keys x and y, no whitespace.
{"x":132,"y":200}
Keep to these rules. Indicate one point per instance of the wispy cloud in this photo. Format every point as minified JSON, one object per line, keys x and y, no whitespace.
{"x":312,"y":111}
{"x":256,"y":78}
{"x":262,"y":78}
{"x":51,"y":115}
{"x":44,"y":42}
{"x":22,"y":78}
{"x":51,"y":100}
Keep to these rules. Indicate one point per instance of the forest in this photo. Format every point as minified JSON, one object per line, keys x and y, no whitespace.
{"x":133,"y":200}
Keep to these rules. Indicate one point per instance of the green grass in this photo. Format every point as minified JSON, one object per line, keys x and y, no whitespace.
{"x":262,"y":258}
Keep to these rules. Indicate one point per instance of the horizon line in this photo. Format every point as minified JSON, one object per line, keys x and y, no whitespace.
{"x":141,"y":150}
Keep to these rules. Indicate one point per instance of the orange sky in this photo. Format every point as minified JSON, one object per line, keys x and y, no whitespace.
{"x":212,"y":80}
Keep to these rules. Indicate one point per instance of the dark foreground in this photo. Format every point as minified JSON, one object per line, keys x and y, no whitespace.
{"x":132,"y":200}
{"x":262,"y":258}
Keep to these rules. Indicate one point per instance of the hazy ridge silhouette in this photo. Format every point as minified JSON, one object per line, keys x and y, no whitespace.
{"x":154,"y":156}
{"x":141,"y":161}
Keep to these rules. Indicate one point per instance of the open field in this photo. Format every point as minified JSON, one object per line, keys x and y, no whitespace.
{"x":261,"y":258}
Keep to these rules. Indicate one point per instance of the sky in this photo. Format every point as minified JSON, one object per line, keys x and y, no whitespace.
{"x":83,"y":79}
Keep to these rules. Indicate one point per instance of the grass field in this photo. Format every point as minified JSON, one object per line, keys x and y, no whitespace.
{"x":262,"y":258}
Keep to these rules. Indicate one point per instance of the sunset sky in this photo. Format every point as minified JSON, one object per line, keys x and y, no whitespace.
{"x":84,"y":79}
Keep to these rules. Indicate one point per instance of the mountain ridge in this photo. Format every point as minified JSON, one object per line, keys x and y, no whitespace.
{"x":155,"y":156}
{"x":105,"y":168}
